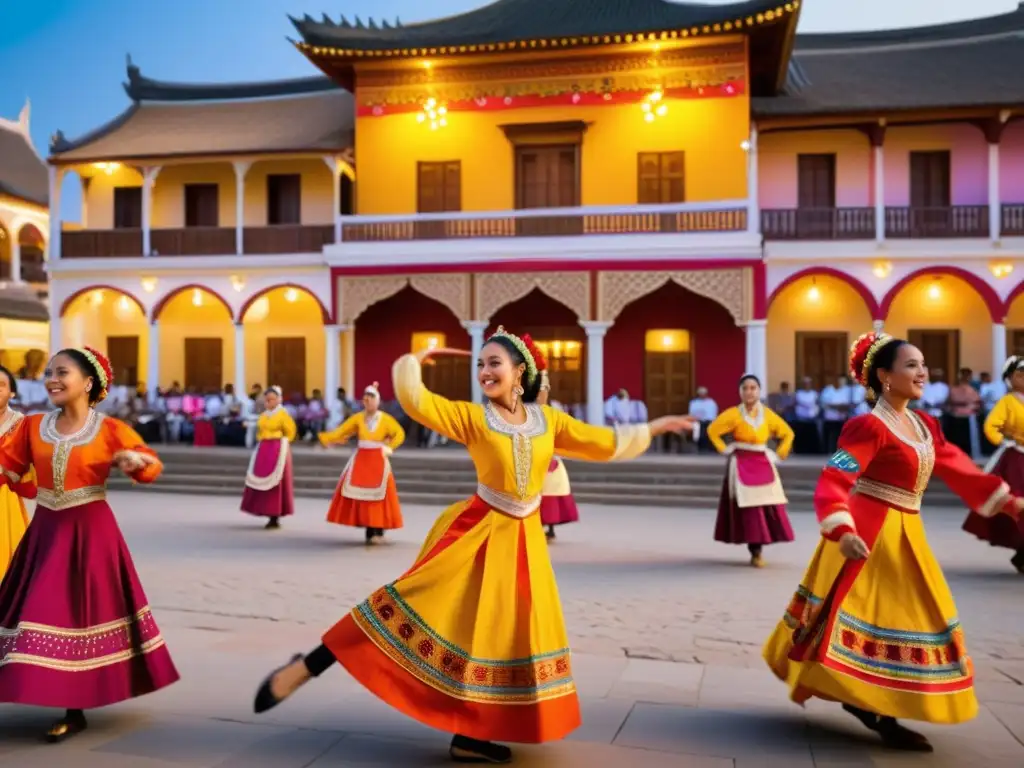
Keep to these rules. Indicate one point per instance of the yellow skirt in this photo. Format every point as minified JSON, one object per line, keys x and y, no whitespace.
{"x":471,"y":640}
{"x":892,"y":644}
{"x":13,"y":522}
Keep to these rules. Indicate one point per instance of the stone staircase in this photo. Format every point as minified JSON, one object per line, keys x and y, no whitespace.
{"x":441,"y":476}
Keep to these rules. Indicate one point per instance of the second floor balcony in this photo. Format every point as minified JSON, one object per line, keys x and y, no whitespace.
{"x":899,"y":222}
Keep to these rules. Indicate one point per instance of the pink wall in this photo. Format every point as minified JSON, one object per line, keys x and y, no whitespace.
{"x":777,"y":173}
{"x":969,"y":161}
{"x":1011,"y":164}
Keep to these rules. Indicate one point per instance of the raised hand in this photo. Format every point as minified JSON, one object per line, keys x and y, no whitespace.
{"x":671,"y":424}
{"x":442,"y":351}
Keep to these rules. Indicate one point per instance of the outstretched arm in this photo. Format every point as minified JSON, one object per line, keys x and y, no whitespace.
{"x":132,"y":455}
{"x":452,"y":419}
{"x":342,"y":434}
{"x":577,"y":439}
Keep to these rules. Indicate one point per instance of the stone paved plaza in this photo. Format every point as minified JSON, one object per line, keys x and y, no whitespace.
{"x":666,"y":626}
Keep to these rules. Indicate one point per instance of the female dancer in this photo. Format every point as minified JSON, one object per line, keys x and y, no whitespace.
{"x":268,"y":482}
{"x":471,"y":639}
{"x":366,"y":496}
{"x":557,"y":506}
{"x":1004,"y":426}
{"x":752,"y":507}
{"x":13,"y":488}
{"x":873,"y":625}
{"x":76,"y":630}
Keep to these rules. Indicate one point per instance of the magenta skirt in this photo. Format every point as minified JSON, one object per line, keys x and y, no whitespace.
{"x":76,"y":630}
{"x":278,"y":500}
{"x":750,"y":525}
{"x":1002,"y":530}
{"x":561,"y":508}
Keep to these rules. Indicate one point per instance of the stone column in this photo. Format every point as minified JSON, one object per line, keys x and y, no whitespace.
{"x":56,"y":177}
{"x":153,"y":360}
{"x":596,"y":330}
{"x":753,"y":193}
{"x":877,"y":325}
{"x":332,"y":353}
{"x":240,"y":384}
{"x":876,"y":135}
{"x":56,"y":332}
{"x":16,"y":257}
{"x":476,"y":329}
{"x":241,"y":168}
{"x":995,"y":206}
{"x":757,"y":351}
{"x":148,"y":180}
{"x":334,"y":165}
{"x":998,"y":349}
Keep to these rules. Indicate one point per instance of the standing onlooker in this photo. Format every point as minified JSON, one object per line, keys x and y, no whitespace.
{"x":805,"y":418}
{"x":783,"y":402}
{"x":935,"y":398}
{"x":837,"y":404}
{"x":961,"y":423}
{"x":705,"y":410}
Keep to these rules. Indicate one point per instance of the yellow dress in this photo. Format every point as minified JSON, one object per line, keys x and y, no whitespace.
{"x":751,"y":431}
{"x":471,"y":639}
{"x":13,"y":517}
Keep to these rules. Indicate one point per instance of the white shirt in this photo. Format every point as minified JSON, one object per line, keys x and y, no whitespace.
{"x":618,"y":410}
{"x":860,"y":400}
{"x":936,"y":394}
{"x":991,"y":393}
{"x":32,"y":396}
{"x":214,"y":406}
{"x":806,"y":404}
{"x":833,"y":396}
{"x":703,"y":409}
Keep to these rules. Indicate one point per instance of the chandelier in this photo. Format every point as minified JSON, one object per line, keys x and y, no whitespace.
{"x":653,"y":105}
{"x":433,"y":113}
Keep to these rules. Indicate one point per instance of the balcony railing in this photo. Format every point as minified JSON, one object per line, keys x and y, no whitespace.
{"x":951,"y":221}
{"x":1013,"y":220}
{"x":196,"y":241}
{"x":686,"y":218}
{"x":818,"y":223}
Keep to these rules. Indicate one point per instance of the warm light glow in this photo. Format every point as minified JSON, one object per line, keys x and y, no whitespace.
{"x":96,"y":298}
{"x":814,"y":292}
{"x":1001,"y":270}
{"x":882,"y":269}
{"x":149,"y":284}
{"x":125,"y":310}
{"x":422,"y":340}
{"x":257,"y":311}
{"x":123,"y":303}
{"x":197,"y":298}
{"x":433,"y":113}
{"x":107,"y":168}
{"x":745,"y":145}
{"x":652,"y":106}
{"x":237,"y":283}
{"x":667,"y":340}
{"x":291,"y":295}
{"x":560,"y":349}
{"x":934,"y":291}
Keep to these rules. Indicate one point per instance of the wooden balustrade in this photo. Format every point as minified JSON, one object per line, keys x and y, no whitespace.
{"x":286,"y":238}
{"x":946,"y":222}
{"x":192,"y":241}
{"x":1013,"y":220}
{"x":818,"y":223}
{"x":101,"y":243}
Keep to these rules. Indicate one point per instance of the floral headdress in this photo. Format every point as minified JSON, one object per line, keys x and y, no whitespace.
{"x":535,"y":360}
{"x":1013,"y":364}
{"x":862,"y":356}
{"x":372,"y":389}
{"x":104,"y":373}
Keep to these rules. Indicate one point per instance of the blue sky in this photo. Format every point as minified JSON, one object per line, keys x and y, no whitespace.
{"x":68,"y":56}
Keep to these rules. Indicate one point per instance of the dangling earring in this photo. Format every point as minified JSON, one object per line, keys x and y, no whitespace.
{"x":888,"y":386}
{"x":517,"y":392}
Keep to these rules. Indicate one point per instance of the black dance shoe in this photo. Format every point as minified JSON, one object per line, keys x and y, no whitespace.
{"x":1017,"y":561}
{"x":273,"y":524}
{"x":265,"y":698}
{"x":467,"y":750}
{"x":896,"y":736}
{"x":71,"y":724}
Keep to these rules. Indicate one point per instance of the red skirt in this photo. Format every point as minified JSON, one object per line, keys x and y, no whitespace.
{"x":279,"y":499}
{"x":765,"y":524}
{"x":76,"y":630}
{"x":1002,"y":530}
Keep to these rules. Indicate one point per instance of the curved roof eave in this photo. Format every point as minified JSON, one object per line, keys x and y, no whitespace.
{"x":142,"y":88}
{"x":59,"y":144}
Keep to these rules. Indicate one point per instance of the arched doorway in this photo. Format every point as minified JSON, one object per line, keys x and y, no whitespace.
{"x":114,"y":322}
{"x":6,"y":244}
{"x":1014,"y":324}
{"x":812,"y":320}
{"x":556,"y":330}
{"x":284,"y":341}
{"x":947,"y":318}
{"x":406,"y":322}
{"x":669,"y":342}
{"x":197,"y":339}
{"x":32,"y":249}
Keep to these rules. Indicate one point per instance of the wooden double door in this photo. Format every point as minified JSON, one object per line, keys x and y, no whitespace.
{"x":668,"y":383}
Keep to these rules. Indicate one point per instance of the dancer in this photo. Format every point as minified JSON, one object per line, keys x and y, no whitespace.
{"x":366,"y":496}
{"x":752,"y":507}
{"x":1004,"y":426}
{"x":471,"y":639}
{"x":873,"y":625}
{"x":268,"y":481}
{"x":557,"y":506}
{"x":13,"y":488}
{"x":76,"y":630}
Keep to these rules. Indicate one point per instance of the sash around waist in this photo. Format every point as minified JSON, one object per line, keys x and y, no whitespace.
{"x":371,"y":444}
{"x":901,"y":498}
{"x":507,"y":503}
{"x":67,"y":499}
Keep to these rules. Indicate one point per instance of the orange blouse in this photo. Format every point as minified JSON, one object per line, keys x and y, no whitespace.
{"x":72,"y":470}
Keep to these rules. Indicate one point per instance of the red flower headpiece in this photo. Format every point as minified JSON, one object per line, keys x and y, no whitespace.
{"x":538,"y":356}
{"x":102,"y":365}
{"x":862,"y":352}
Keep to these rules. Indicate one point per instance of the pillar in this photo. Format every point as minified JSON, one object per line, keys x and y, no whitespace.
{"x":148,"y":180}
{"x":757,"y":350}
{"x":877,"y":325}
{"x":595,"y":369}
{"x":879,"y":194}
{"x":332,"y":347}
{"x":56,"y":177}
{"x":753,"y":204}
{"x":16,"y":257}
{"x":153,"y":360}
{"x":334,"y":165}
{"x":241,"y":168}
{"x":56,"y":332}
{"x":86,"y":181}
{"x":476,"y":329}
{"x":239,"y":379}
{"x":348,"y":358}
{"x":995,"y":207}
{"x":998,"y":349}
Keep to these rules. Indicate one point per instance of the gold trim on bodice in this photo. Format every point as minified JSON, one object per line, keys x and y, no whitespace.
{"x":58,"y":498}
{"x":522,"y":443}
{"x":507,"y":503}
{"x":10,"y":420}
{"x":890,"y":494}
{"x":924,"y":446}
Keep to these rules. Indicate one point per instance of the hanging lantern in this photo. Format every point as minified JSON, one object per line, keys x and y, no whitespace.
{"x":433,"y":114}
{"x":654,"y":106}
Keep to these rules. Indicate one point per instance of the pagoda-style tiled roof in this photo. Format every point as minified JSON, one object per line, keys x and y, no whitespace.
{"x":975,"y":63}
{"x":23,"y":173}
{"x":168,"y":120}
{"x":511,"y":25}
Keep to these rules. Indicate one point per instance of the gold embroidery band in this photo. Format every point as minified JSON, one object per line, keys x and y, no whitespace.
{"x":67,"y":499}
{"x":890,"y":494}
{"x":505,"y":502}
{"x":80,"y":649}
